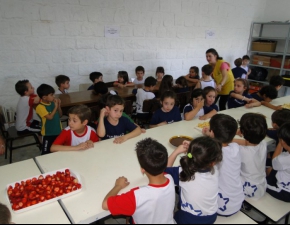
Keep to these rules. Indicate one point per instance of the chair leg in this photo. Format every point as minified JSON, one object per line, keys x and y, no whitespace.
{"x":6,"y":149}
{"x":11,"y":147}
{"x":37,"y":141}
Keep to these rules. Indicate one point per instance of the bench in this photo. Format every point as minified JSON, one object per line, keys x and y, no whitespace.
{"x":238,"y":218}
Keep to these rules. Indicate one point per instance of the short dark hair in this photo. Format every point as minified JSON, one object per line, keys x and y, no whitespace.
{"x":21,"y":87}
{"x":224,"y":128}
{"x":182,"y":81}
{"x":160,"y":70}
{"x":5,"y":213}
{"x":205,"y":152}
{"x":238,"y":62}
{"x":82,"y":111}
{"x":124,"y":75}
{"x":207,"y":69}
{"x":277,"y":80}
{"x":139,"y":68}
{"x":152,"y":156}
{"x":269,"y":91}
{"x":168,"y":94}
{"x":253,"y":127}
{"x":196,"y":93}
{"x":61,"y":79}
{"x":44,"y":90}
{"x":280,"y":117}
{"x":113,"y":100}
{"x":150,"y":81}
{"x":101,"y":88}
{"x":95,"y":75}
{"x":246,"y":57}
{"x":284,"y":133}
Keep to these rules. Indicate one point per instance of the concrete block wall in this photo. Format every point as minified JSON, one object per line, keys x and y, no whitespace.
{"x":40,"y":39}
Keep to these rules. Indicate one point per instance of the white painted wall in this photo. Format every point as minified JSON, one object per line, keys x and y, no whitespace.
{"x":277,"y":10}
{"x":40,"y":39}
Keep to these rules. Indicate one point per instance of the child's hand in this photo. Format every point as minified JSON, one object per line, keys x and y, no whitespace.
{"x":239,"y":133}
{"x":90,"y":144}
{"x":143,"y":131}
{"x":181,"y":149}
{"x":248,"y":106}
{"x":205,"y":131}
{"x":162,"y":124}
{"x":83,"y":146}
{"x":200,"y":104}
{"x":120,"y":140}
{"x":122,"y":182}
{"x":203,"y":117}
{"x":121,"y":85}
{"x":279,"y":107}
{"x":59,"y":103}
{"x":55,"y":103}
{"x":36,"y":100}
{"x":103,"y":113}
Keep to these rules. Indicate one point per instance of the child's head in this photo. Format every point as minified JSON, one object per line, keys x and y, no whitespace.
{"x":284,"y":136}
{"x":166,"y":84}
{"x":238,"y":62}
{"x":277,"y":81}
{"x":168,"y":99}
{"x":152,"y":156}
{"x":207,"y":70}
{"x":79,"y":116}
{"x":202,"y":155}
{"x":45,"y":92}
{"x":5,"y":214}
{"x":115,"y":106}
{"x":150,"y":82}
{"x":245,"y":60}
{"x":253,"y":127}
{"x":123,"y":77}
{"x":181,"y":82}
{"x":140,"y":72}
{"x":160,"y":73}
{"x":24,"y":88}
{"x":62,"y":81}
{"x":209,"y":95}
{"x":100,"y":88}
{"x":223,"y":128}
{"x":268,"y":93}
{"x":196,"y":97}
{"x":280,"y":117}
{"x":241,"y":86}
{"x":194,"y":71}
{"x":96,"y":77}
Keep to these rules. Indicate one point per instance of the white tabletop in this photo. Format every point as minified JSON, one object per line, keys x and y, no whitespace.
{"x":238,"y":218}
{"x":50,"y":214}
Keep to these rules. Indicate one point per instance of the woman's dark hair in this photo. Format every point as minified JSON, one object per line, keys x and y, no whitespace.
{"x":196,"y":70}
{"x":214,"y":52}
{"x":182,"y":82}
{"x":124,"y":75}
{"x":284,"y":133}
{"x":269,"y":91}
{"x":168,"y":94}
{"x":207,"y":90}
{"x":166,"y":84}
{"x":245,"y":83}
{"x":196,"y":93}
{"x":205,"y":152}
{"x":280,"y":117}
{"x":253,"y":127}
{"x":160,"y":70}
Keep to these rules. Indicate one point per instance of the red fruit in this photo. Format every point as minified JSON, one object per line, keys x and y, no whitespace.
{"x":68,"y":191}
{"x":23,"y":183}
{"x":34,"y":202}
{"x":9,"y":192}
{"x":28,"y":182}
{"x":40,"y":177}
{"x":69,"y":187}
{"x":79,"y":186}
{"x":56,"y":189}
{"x":24,"y":200}
{"x":48,"y":197}
{"x":17,"y":185}
{"x":75,"y":181}
{"x":74,"y":188}
{"x":20,"y":204}
{"x":67,"y":172}
{"x":42,"y":198}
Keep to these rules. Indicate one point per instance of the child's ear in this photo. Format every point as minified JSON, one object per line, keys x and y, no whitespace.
{"x":85,"y":122}
{"x":142,"y":171}
{"x":211,"y":134}
{"x":107,"y":108}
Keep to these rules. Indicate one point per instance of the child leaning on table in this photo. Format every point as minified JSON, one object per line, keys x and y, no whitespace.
{"x":231,"y":195}
{"x":49,"y":111}
{"x":277,"y":81}
{"x":62,"y":81}
{"x":78,"y":135}
{"x":266,"y":95}
{"x":278,"y":178}
{"x":198,"y":180}
{"x":113,"y":125}
{"x":5,"y":215}
{"x":151,"y":204}
{"x":123,"y":80}
{"x":95,"y":77}
{"x":253,"y":151}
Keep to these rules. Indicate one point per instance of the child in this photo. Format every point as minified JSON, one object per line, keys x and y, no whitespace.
{"x":140,"y":72}
{"x":231,"y":195}
{"x":123,"y":80}
{"x":277,"y":81}
{"x":62,"y":82}
{"x":78,"y":136}
{"x":151,"y":204}
{"x":193,"y":75}
{"x":182,"y":85}
{"x":239,"y":72}
{"x":101,"y":89}
{"x":266,"y":95}
{"x":278,"y":178}
{"x":253,"y":151}
{"x":196,"y":107}
{"x":25,"y":112}
{"x":166,"y":84}
{"x":245,"y":65}
{"x":240,"y":97}
{"x":113,"y":125}
{"x":198,"y":180}
{"x":5,"y":215}
{"x":169,"y":113}
{"x":49,"y":111}
{"x":209,"y":95}
{"x":206,"y":80}
{"x":159,"y":74}
{"x":95,"y":77}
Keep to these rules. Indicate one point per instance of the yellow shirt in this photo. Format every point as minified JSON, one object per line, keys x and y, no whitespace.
{"x":218,"y":77}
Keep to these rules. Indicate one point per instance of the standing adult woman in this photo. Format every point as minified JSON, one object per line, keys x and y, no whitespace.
{"x":222,"y":75}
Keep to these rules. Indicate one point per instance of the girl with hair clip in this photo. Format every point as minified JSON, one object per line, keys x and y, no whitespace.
{"x":181,"y":85}
{"x":123,"y":80}
{"x":197,"y":179}
{"x":160,"y":73}
{"x":193,"y":75}
{"x":240,"y":97}
{"x":166,"y":84}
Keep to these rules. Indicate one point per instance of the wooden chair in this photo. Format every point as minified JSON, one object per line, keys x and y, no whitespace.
{"x":183,"y":100}
{"x":84,"y":87}
{"x":149,"y":106}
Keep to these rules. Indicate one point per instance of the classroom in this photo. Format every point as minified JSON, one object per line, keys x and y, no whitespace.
{"x":144,"y":111}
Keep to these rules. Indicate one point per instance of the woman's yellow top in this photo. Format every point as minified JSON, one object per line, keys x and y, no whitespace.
{"x":218,"y":77}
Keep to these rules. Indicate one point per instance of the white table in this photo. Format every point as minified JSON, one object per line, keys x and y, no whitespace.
{"x":238,"y":218}
{"x":50,"y":214}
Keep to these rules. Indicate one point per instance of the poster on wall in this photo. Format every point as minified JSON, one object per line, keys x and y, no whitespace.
{"x":112,"y":31}
{"x":209,"y":34}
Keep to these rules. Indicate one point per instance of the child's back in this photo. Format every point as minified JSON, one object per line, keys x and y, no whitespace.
{"x":239,"y":72}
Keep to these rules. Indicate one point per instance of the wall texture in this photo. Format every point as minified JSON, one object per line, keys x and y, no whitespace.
{"x":40,"y":39}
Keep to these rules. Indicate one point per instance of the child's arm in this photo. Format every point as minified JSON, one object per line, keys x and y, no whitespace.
{"x":253,"y":103}
{"x":62,"y":148}
{"x":120,"y":184}
{"x":116,"y":84}
{"x":51,"y":115}
{"x":128,"y":136}
{"x":208,"y":115}
{"x":195,"y":81}
{"x":240,"y":142}
{"x":181,"y":149}
{"x":59,"y":108}
{"x":278,"y":150}
{"x":269,"y":105}
{"x":198,"y":85}
{"x":129,"y":84}
{"x":190,"y":115}
{"x":101,"y":131}
{"x":158,"y":125}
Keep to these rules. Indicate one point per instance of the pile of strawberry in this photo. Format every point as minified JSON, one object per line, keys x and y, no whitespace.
{"x":37,"y":190}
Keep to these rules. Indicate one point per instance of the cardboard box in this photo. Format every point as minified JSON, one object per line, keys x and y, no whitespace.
{"x":264,"y":46}
{"x":261,"y":60}
{"x":277,"y":62}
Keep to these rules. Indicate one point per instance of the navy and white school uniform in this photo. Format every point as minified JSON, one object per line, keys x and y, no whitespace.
{"x":215,"y":107}
{"x":141,"y":96}
{"x":198,"y":197}
{"x":170,"y":117}
{"x":236,"y":103}
{"x":203,"y":111}
{"x":151,"y":204}
{"x":204,"y":84}
{"x":231,"y":195}
{"x":257,"y":97}
{"x":253,"y":172}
